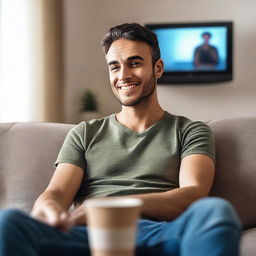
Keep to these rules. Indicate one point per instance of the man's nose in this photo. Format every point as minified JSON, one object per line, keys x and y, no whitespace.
{"x":124,"y":73}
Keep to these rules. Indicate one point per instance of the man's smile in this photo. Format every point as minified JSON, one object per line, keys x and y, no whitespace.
{"x":128,"y":86}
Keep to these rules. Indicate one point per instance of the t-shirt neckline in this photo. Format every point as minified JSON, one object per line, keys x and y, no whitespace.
{"x":132,"y":132}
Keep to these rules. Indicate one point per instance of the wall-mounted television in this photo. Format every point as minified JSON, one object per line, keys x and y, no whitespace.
{"x":198,"y":52}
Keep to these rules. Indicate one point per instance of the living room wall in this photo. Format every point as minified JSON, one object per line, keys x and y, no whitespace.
{"x":85,"y":22}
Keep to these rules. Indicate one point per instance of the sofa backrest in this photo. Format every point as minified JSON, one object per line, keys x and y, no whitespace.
{"x":235,"y":178}
{"x":27,"y":155}
{"x":28,"y":152}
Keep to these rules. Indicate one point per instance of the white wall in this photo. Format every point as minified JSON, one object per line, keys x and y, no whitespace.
{"x":87,"y":20}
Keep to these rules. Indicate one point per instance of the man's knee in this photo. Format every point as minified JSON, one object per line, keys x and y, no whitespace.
{"x":217,"y":210}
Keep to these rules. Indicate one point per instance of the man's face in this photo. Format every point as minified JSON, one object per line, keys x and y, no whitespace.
{"x":206,"y":39}
{"x":130,"y":71}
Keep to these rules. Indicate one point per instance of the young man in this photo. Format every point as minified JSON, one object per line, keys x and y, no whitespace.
{"x":206,"y":55}
{"x":142,"y":151}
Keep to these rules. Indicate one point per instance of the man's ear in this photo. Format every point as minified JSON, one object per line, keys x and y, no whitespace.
{"x":159,"y":68}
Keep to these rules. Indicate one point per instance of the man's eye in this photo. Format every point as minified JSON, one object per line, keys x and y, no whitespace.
{"x":134,"y":64}
{"x":113,"y":68}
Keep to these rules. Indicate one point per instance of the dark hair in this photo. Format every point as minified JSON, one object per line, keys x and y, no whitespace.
{"x":132,"y":31}
{"x":207,"y":34}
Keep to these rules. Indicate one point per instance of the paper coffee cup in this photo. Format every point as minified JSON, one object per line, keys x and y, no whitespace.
{"x":112,"y":225}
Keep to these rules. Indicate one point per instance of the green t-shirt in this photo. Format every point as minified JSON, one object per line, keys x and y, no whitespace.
{"x":119,"y":161}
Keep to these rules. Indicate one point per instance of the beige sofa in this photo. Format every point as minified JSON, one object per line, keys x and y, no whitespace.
{"x":28,"y":152}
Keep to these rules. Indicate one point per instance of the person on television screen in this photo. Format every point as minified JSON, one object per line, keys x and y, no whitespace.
{"x":206,"y":55}
{"x":142,"y":151}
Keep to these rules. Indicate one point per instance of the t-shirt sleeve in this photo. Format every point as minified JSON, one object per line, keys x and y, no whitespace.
{"x":73,"y":148}
{"x":197,"y":138}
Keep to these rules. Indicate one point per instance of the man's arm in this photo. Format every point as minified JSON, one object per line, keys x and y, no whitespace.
{"x":215,"y":56}
{"x":196,"y":58}
{"x":196,"y":178}
{"x":52,"y":205}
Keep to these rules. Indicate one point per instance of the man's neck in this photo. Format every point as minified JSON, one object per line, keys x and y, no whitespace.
{"x":139,"y":118}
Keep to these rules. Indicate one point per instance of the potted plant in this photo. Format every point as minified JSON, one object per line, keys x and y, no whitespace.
{"x":89,"y":108}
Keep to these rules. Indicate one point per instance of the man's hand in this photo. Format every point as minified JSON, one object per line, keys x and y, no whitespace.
{"x":52,"y":205}
{"x":52,"y":214}
{"x":77,"y":217}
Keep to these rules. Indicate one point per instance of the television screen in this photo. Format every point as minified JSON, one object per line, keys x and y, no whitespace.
{"x":195,"y":52}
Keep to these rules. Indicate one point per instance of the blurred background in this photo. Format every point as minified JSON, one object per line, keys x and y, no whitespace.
{"x":50,"y":55}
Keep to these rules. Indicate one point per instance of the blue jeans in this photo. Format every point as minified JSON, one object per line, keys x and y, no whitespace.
{"x":209,"y":227}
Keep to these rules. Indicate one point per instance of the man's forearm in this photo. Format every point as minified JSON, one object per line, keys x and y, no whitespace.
{"x":168,"y":205}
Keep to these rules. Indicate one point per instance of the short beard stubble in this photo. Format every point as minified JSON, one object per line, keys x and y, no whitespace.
{"x":151,"y":83}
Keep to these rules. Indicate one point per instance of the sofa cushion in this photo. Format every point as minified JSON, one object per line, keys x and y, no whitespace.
{"x":248,"y":242}
{"x":235,"y":177}
{"x":27,"y":155}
